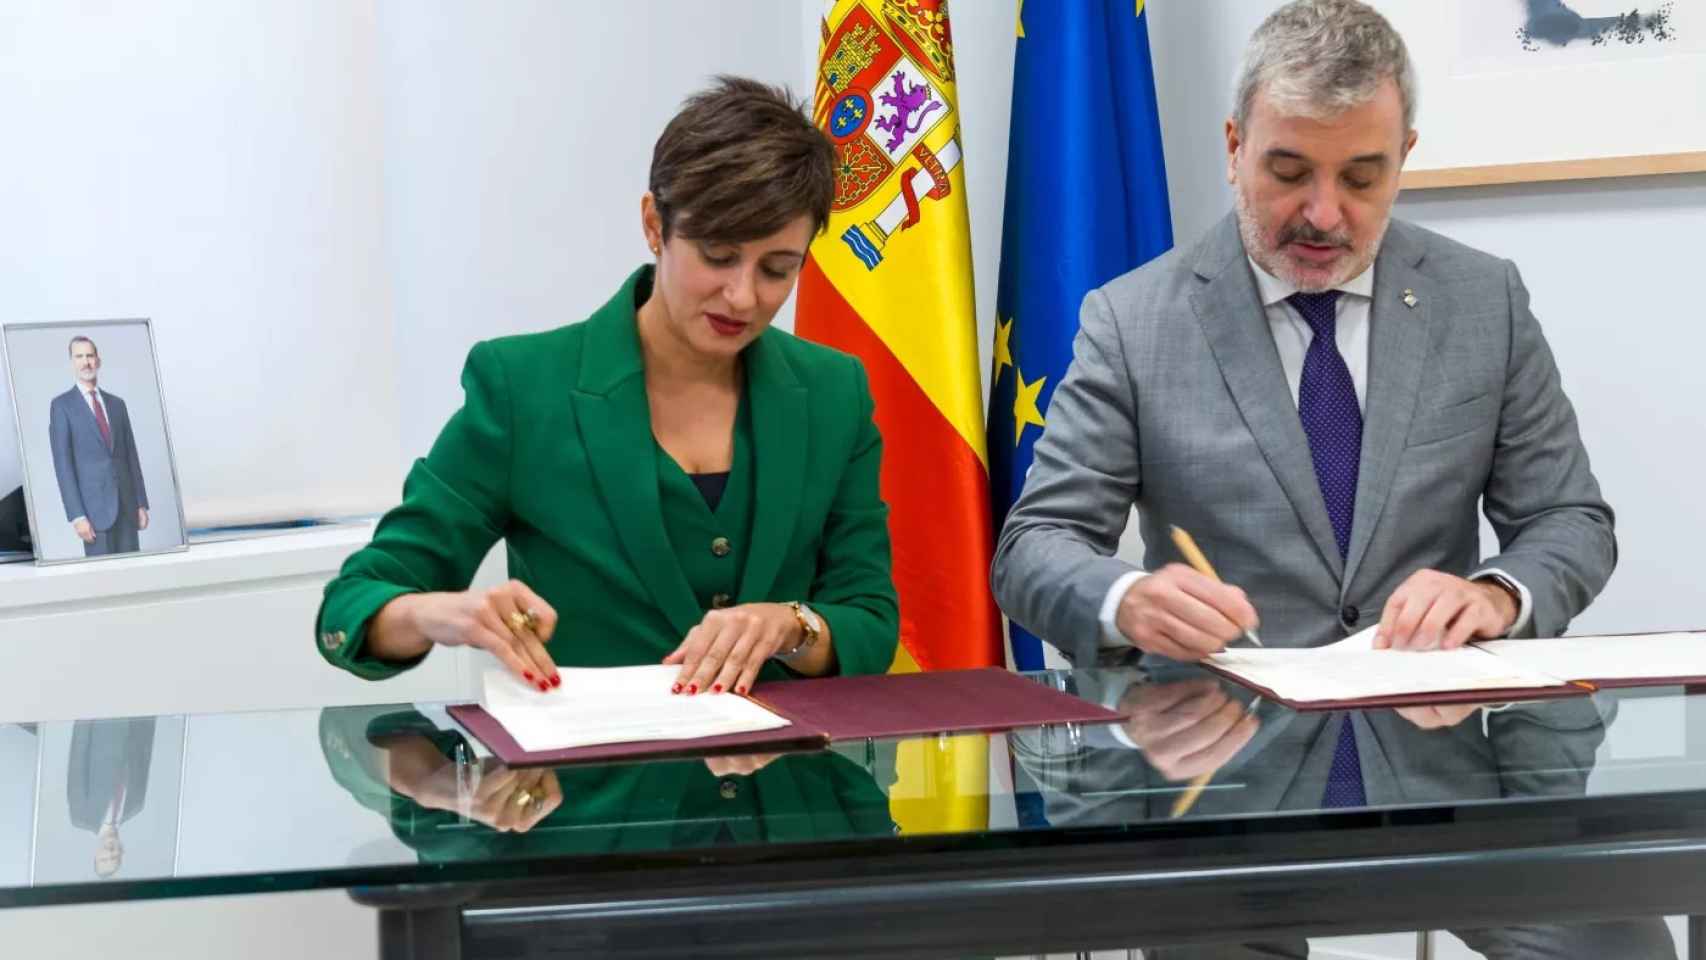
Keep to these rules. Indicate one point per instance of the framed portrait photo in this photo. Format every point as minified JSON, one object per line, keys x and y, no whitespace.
{"x":14,"y":517}
{"x":99,"y":477}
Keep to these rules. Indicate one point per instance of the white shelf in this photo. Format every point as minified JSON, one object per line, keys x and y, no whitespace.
{"x":223,"y":626}
{"x":25,"y":587}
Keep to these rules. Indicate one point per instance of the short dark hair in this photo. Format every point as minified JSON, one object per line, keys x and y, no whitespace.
{"x":741,"y":161}
{"x":71,"y":348}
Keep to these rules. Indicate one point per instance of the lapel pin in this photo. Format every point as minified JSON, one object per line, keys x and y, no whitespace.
{"x":1410,"y":299}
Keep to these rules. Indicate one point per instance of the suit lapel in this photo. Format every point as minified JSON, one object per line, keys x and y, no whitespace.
{"x":615,"y":422}
{"x":1397,"y":349}
{"x":81,"y":402}
{"x":778,"y":402}
{"x":1230,"y":310}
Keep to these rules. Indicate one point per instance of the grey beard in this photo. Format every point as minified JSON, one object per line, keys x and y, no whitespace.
{"x":1262,"y":249}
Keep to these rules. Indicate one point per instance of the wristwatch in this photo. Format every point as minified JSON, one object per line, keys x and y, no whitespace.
{"x":1510,"y":589}
{"x":1504,"y":583}
{"x":811,"y":628}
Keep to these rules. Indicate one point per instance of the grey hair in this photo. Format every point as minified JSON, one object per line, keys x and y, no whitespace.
{"x":1318,"y":58}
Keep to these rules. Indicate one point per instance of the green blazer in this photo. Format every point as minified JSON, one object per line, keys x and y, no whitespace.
{"x":553,"y":452}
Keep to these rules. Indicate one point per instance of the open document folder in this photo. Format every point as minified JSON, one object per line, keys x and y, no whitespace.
{"x":627,"y":713}
{"x":1352,"y":674}
{"x":596,"y":706}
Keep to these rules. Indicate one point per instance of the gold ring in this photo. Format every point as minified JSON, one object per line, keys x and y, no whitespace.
{"x":519,"y":621}
{"x":524,"y":797}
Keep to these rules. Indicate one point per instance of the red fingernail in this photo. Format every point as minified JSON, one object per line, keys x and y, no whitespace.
{"x":693,"y":688}
{"x":557,"y":680}
{"x":529,"y":677}
{"x":544,"y":687}
{"x":716,"y":688}
{"x":741,"y":689}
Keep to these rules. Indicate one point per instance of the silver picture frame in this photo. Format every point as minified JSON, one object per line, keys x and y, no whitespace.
{"x":30,"y":453}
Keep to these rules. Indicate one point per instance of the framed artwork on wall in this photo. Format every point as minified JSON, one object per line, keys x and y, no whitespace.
{"x":1531,"y":90}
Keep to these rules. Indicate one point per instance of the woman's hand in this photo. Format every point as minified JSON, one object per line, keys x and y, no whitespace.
{"x":507,"y":800}
{"x":509,"y":621}
{"x":727,"y":648}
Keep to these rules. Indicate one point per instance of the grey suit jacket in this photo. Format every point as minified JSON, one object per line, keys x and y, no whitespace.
{"x":94,"y":481}
{"x":1176,"y":402}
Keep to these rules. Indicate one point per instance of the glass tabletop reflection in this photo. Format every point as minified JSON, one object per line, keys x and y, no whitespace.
{"x":399,"y":794}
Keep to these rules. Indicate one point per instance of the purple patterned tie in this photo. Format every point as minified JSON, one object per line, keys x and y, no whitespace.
{"x":1327,"y":404}
{"x":1332,"y":419}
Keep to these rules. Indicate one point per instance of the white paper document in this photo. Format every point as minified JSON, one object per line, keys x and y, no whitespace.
{"x":1353,"y":670}
{"x":1608,"y":658}
{"x":599,"y":705}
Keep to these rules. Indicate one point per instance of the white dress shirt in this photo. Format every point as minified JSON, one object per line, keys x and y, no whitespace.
{"x":1292,"y":337}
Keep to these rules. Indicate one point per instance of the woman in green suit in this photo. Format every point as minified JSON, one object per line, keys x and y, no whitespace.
{"x":673,"y":480}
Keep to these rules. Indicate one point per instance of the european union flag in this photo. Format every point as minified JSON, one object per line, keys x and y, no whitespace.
{"x":1086,"y":202}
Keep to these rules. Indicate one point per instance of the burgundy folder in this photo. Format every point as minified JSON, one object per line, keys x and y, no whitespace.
{"x":987,"y":700}
{"x":837,"y":708}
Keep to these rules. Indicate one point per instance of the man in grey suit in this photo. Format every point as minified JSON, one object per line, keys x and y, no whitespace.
{"x":95,"y":460}
{"x":1322,"y":397}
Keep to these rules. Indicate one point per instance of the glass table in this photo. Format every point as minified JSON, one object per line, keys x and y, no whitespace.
{"x":1199,"y":820}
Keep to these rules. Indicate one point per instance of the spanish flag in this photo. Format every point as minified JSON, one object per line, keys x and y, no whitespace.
{"x":890,"y":281}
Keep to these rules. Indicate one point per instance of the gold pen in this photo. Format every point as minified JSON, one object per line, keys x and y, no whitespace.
{"x":1199,"y":563}
{"x":1188,"y":799}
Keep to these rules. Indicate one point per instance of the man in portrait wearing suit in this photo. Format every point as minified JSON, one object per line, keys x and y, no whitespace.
{"x":1323,"y":397}
{"x":95,"y":460}
{"x":107,"y":782}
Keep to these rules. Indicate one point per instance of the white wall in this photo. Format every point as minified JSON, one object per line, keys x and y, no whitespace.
{"x":518,"y":140}
{"x":214,"y":167}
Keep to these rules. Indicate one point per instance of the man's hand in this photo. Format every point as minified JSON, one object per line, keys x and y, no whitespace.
{"x":1178,"y":613}
{"x":1186,"y":729}
{"x":1437,"y":611}
{"x":84,"y":530}
{"x":141,"y":518}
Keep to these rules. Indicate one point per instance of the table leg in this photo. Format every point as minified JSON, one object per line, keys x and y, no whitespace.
{"x":434,"y":933}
